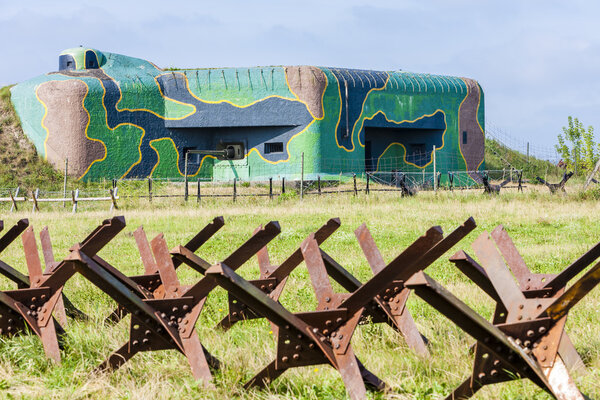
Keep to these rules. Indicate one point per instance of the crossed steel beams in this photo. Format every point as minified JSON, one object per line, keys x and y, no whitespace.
{"x":273,"y":278}
{"x":323,"y":336}
{"x":33,"y":305}
{"x":149,"y":284}
{"x":526,"y":337}
{"x":165,"y":321}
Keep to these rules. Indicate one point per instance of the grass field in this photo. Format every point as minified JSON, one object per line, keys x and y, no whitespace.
{"x":550,"y":231}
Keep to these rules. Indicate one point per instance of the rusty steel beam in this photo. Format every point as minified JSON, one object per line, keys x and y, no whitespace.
{"x":528,"y":318}
{"x":32,"y":307}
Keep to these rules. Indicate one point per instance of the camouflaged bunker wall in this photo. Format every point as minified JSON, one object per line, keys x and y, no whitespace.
{"x":115,"y":116}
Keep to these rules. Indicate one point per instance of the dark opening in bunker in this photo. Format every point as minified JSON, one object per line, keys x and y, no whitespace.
{"x":401,"y":143}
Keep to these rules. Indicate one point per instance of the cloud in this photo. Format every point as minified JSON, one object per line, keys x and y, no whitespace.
{"x":536,"y":60}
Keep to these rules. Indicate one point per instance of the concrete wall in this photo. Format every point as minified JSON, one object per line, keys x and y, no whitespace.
{"x":115,"y":116}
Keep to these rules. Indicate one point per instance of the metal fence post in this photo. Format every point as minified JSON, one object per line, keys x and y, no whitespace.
{"x":319,"y":184}
{"x":150,"y":190}
{"x":198,"y":195}
{"x":282,"y":184}
{"x":65,"y":181}
{"x":367,"y":190}
{"x":234,"y":188}
{"x":355,"y":188}
{"x":434,"y":171}
{"x":302,"y":177}
{"x":271,"y":188}
{"x":185,"y":177}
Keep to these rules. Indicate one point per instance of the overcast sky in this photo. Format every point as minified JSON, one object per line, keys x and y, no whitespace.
{"x":537,"y":61}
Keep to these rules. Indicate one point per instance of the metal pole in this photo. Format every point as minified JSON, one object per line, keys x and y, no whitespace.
{"x":282,"y":185}
{"x":434,"y":171}
{"x":367,"y":189}
{"x":355,"y":188}
{"x":319,"y":184}
{"x":185,"y":175}
{"x":65,"y":181}
{"x":198,"y":191}
{"x":150,"y":190}
{"x":234,"y":188}
{"x":302,"y":177}
{"x":271,"y":188}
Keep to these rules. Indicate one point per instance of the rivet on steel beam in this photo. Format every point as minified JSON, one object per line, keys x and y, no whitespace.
{"x":175,"y":309}
{"x":287,"y":327}
{"x":496,"y":362}
{"x":43,"y":296}
{"x":296,"y":356}
{"x":135,"y":343}
{"x":328,"y":322}
{"x":299,"y":337}
{"x":520,"y":317}
{"x":33,"y":299}
{"x":544,"y":347}
{"x":337,"y":345}
{"x":494,"y":372}
{"x":543,"y":358}
{"x":298,"y":347}
{"x":185,"y":307}
{"x":341,"y":337}
{"x":521,"y":306}
{"x":338,"y":320}
{"x":284,"y":359}
{"x":147,"y":332}
{"x":327,"y":299}
{"x":145,"y":340}
{"x":542,"y":329}
{"x":32,"y":307}
{"x":527,"y":343}
{"x":397,"y":289}
{"x":481,"y":375}
{"x":310,"y":346}
{"x":530,"y":333}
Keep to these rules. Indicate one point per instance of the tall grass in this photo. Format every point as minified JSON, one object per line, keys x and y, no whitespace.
{"x":550,"y":231}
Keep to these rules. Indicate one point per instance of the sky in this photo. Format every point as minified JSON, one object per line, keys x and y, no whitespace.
{"x":537,"y":61}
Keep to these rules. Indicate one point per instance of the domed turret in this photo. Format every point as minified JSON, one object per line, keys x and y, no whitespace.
{"x":80,"y":58}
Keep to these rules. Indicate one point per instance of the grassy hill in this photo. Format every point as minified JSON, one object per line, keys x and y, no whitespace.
{"x":19,"y":162}
{"x":499,"y":157}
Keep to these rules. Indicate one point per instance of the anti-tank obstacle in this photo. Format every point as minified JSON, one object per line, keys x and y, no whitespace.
{"x":525,"y":339}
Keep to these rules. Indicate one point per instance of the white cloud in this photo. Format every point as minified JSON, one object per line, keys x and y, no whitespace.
{"x":537,"y":60}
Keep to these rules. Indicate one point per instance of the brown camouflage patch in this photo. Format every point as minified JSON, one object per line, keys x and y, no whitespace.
{"x":66,"y":121}
{"x":308,"y":83}
{"x":473,"y":150}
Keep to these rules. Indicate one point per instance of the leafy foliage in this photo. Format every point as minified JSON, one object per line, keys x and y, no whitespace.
{"x":577,"y":147}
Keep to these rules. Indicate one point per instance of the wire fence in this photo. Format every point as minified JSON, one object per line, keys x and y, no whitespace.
{"x":527,"y":149}
{"x":109,"y":194}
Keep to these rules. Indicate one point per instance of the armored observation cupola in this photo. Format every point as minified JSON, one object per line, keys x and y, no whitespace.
{"x":80,"y":58}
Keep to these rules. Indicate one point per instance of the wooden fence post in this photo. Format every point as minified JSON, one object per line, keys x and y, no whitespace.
{"x":35,"y":198}
{"x":75,"y":195}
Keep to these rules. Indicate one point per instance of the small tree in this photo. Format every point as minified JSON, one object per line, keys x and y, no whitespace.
{"x":577,"y":146}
